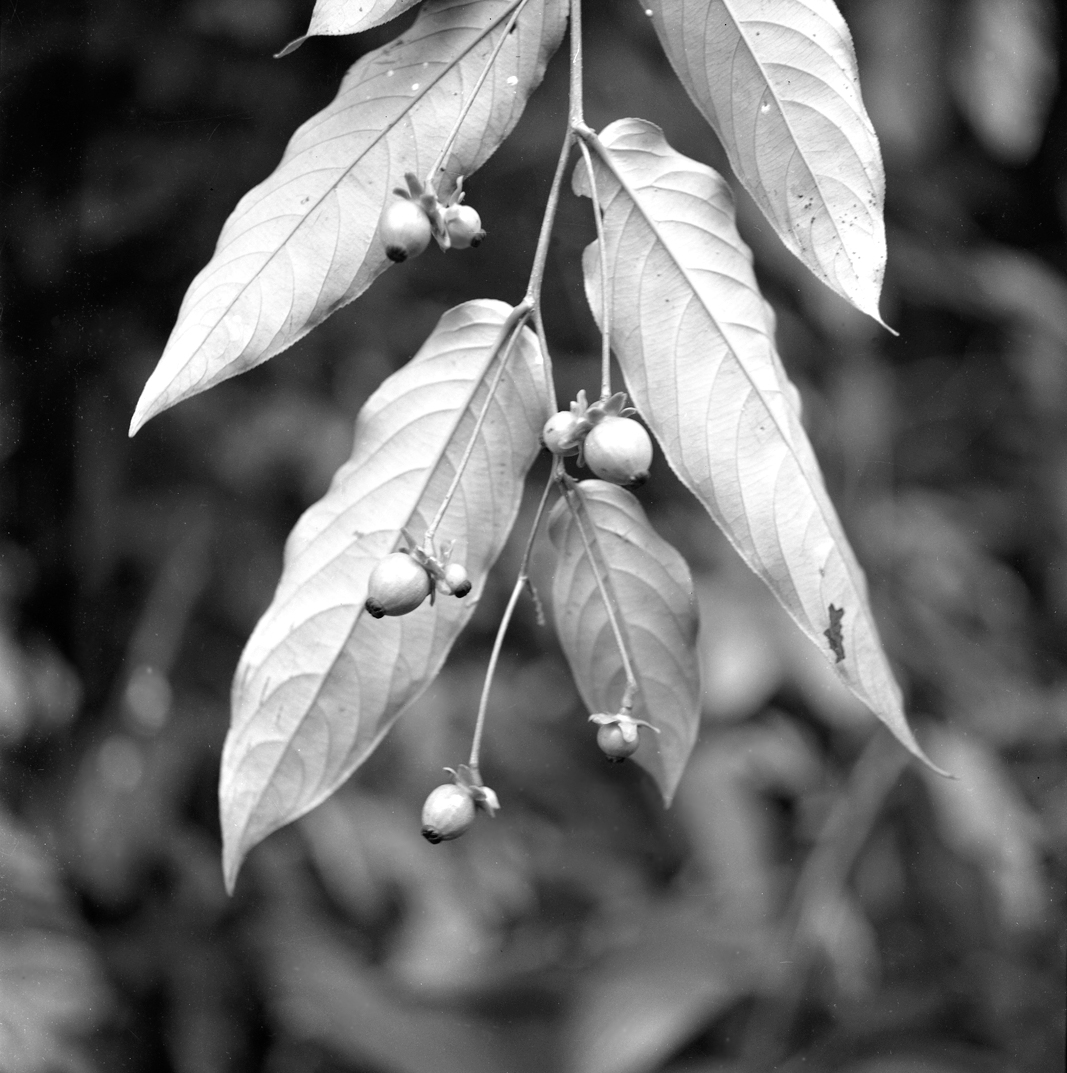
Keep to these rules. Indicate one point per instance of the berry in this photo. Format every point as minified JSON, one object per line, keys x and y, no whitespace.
{"x":405,"y":229}
{"x":614,"y":743}
{"x":562,"y":433}
{"x":396,"y":586}
{"x":619,"y":450}
{"x":448,"y":813}
{"x":456,"y":580}
{"x":464,"y":226}
{"x":617,"y":735}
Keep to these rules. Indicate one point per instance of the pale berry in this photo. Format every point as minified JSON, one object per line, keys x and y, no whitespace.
{"x":619,"y":450}
{"x":447,"y":813}
{"x":464,"y":226}
{"x":561,"y":433}
{"x":405,"y":229}
{"x":397,"y":585}
{"x":615,"y":743}
{"x":456,"y":580}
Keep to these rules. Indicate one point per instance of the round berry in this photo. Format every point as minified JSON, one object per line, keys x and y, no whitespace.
{"x":464,"y":226}
{"x":448,"y":812}
{"x":397,"y":585}
{"x":619,"y":450}
{"x":615,"y":744}
{"x":459,"y":584}
{"x":561,"y":433}
{"x":405,"y":229}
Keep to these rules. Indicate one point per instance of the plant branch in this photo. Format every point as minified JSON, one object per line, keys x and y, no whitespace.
{"x":577,"y":103}
{"x":577,"y":508}
{"x":438,"y":164}
{"x":605,"y":293}
{"x":502,"y":629}
{"x":537,"y":272}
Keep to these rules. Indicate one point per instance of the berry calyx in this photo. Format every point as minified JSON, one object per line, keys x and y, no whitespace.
{"x":447,"y":813}
{"x":617,"y":735}
{"x":397,"y":585}
{"x":619,"y":450}
{"x":405,"y":229}
{"x":464,"y":226}
{"x":562,"y":433}
{"x":456,"y":580}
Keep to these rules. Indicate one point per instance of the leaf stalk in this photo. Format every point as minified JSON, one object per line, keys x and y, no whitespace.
{"x":521,"y":582}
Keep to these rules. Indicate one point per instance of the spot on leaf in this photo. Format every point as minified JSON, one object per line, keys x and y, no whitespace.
{"x":833,"y":634}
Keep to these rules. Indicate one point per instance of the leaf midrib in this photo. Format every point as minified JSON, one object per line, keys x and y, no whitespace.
{"x":604,"y":155}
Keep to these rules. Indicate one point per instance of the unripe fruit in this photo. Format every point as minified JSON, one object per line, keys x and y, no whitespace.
{"x":405,"y":229}
{"x":397,"y":585}
{"x":464,"y":226}
{"x":456,"y":579}
{"x":560,"y":434}
{"x":615,"y":744}
{"x":448,"y":812}
{"x":619,"y":450}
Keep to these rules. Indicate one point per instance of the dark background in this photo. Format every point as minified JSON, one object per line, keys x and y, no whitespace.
{"x":812,"y":901}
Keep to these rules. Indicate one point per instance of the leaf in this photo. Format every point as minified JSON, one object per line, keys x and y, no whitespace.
{"x":651,"y":591}
{"x":320,"y":681}
{"x":305,"y":241}
{"x":777,"y":80}
{"x":335,"y":17}
{"x":694,"y":340}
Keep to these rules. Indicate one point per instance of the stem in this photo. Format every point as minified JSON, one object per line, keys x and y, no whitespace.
{"x":537,"y":272}
{"x":577,"y":107}
{"x":574,"y":502}
{"x":502,"y":629}
{"x":438,"y":164}
{"x":509,"y":333}
{"x":605,"y":299}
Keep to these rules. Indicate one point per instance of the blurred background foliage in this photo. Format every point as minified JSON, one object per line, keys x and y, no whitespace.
{"x":812,"y":901}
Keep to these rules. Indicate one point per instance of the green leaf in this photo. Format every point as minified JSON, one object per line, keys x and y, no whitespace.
{"x":335,"y":17}
{"x":305,"y":241}
{"x":778,"y":81}
{"x":321,"y":681}
{"x":695,"y":341}
{"x":651,"y":591}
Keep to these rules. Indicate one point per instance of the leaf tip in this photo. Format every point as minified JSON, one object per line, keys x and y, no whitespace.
{"x":235,"y":848}
{"x":143,"y":413}
{"x":291,"y":47}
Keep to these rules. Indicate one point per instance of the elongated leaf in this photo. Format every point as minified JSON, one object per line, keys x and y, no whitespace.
{"x":692,"y":334}
{"x":652,"y":595}
{"x":305,"y":241}
{"x":778,"y":81}
{"x":321,"y":681}
{"x":334,"y":17}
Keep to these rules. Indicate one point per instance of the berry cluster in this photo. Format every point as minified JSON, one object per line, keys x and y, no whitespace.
{"x":604,"y":437}
{"x":401,"y":581}
{"x":416,"y":216}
